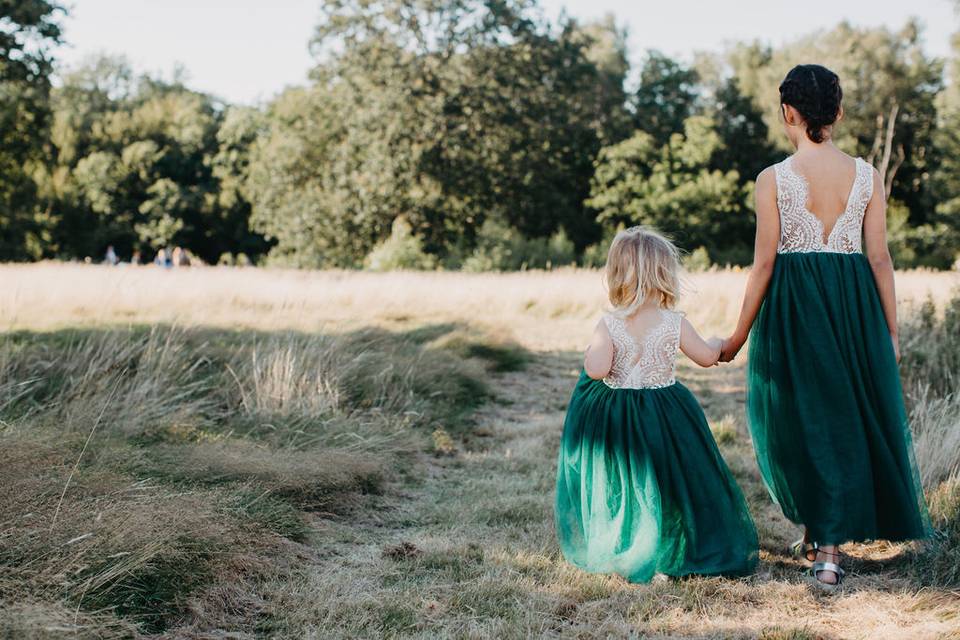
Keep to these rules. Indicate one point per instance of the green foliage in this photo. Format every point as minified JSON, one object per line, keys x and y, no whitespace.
{"x":934,"y":245}
{"x":674,"y":188}
{"x":143,"y":163}
{"x":500,"y":120}
{"x":697,"y":260}
{"x":29,"y":29}
{"x":945,"y":179}
{"x":500,"y":247}
{"x":666,"y":97}
{"x":596,"y":254}
{"x":402,"y":250}
{"x":744,"y":135}
{"x":503,"y":140}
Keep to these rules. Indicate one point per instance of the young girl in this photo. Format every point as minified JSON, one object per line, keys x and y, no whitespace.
{"x":641,"y":486}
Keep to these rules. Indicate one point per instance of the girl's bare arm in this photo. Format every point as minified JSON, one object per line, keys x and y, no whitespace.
{"x":704,"y":352}
{"x":875,"y":239}
{"x":599,"y":356}
{"x":764,"y":257}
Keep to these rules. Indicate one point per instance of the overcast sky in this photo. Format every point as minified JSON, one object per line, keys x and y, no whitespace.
{"x":248,"y":50}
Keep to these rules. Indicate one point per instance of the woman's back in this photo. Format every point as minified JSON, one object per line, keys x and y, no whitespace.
{"x":822,"y":198}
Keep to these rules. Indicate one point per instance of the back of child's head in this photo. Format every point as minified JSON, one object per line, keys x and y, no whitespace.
{"x":642,"y":265}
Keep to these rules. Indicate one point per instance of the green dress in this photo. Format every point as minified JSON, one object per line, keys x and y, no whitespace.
{"x":824,"y":401}
{"x":641,"y":486}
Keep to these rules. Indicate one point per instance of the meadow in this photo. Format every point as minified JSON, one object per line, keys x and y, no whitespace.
{"x":242,"y":453}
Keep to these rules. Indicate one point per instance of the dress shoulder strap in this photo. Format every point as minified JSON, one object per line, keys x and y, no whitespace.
{"x":791,"y":189}
{"x":678,"y":322}
{"x":617,"y":329}
{"x":862,"y":191}
{"x":625,"y":347}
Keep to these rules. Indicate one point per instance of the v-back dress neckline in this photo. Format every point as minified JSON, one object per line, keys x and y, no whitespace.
{"x":802,"y":231}
{"x":806,"y":193}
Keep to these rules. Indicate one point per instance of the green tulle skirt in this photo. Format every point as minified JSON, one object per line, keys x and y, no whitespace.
{"x":642,"y":489}
{"x":825,"y":406}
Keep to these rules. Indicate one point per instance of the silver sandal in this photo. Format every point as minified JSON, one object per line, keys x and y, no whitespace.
{"x":833,"y":567}
{"x":802,"y":549}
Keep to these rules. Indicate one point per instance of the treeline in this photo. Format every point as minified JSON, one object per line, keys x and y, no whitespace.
{"x":471,"y":134}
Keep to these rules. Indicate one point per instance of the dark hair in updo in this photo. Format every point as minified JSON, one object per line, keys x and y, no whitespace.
{"x":815,"y":92}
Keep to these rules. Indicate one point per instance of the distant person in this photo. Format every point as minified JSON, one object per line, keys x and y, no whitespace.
{"x":181,"y":258}
{"x":824,"y":401}
{"x":135,"y":258}
{"x":110,"y":257}
{"x":163,"y":259}
{"x":641,"y":487}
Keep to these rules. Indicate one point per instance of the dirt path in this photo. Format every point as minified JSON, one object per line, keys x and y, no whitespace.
{"x":466,"y":549}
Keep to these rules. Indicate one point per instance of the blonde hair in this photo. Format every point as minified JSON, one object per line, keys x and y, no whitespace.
{"x":642,"y":265}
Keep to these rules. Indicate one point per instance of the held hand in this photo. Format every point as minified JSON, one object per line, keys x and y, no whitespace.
{"x":730,"y":349}
{"x":716,"y":344}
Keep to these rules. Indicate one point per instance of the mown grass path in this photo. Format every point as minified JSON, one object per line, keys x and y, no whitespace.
{"x":463,"y":547}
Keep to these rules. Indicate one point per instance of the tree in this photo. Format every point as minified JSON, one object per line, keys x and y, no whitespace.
{"x":674,"y":189}
{"x":942,"y":233}
{"x":28,"y":30}
{"x":666,"y":97}
{"x":402,"y":250}
{"x":305,"y":191}
{"x":604,"y":45}
{"x":444,"y":113}
{"x":88,"y":97}
{"x":745,"y":145}
{"x":142,"y":163}
{"x":522,"y":128}
{"x":232,"y":233}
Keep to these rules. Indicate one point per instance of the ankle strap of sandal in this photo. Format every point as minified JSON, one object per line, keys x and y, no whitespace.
{"x":828,"y":566}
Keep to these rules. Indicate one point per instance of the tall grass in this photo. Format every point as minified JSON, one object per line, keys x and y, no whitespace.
{"x":931,"y":374}
{"x":206,"y":448}
{"x":252,"y":472}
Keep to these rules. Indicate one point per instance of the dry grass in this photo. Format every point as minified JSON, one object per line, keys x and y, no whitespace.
{"x":545,"y":310}
{"x":158,"y":476}
{"x":309,"y":455}
{"x":931,"y":375}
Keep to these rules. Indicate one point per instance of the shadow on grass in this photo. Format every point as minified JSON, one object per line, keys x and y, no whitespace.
{"x":205,"y":448}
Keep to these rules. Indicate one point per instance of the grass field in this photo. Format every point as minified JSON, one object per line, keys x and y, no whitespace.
{"x":241,"y":453}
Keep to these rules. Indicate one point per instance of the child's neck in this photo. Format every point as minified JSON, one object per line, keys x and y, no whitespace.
{"x":649,"y":305}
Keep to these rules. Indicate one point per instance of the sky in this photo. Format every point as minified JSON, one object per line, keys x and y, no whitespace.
{"x":246,"y":51}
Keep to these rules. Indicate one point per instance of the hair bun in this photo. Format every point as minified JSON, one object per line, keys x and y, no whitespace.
{"x":814,"y":91}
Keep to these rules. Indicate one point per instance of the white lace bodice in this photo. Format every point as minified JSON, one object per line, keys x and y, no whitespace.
{"x":649,"y":363}
{"x":801,"y":231}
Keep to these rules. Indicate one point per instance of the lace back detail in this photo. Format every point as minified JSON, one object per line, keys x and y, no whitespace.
{"x":801,"y":231}
{"x":649,"y":363}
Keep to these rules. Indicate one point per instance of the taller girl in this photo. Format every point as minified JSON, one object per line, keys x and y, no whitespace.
{"x":824,"y":401}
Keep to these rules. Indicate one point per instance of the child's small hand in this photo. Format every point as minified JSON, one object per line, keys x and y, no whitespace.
{"x":716,"y":344}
